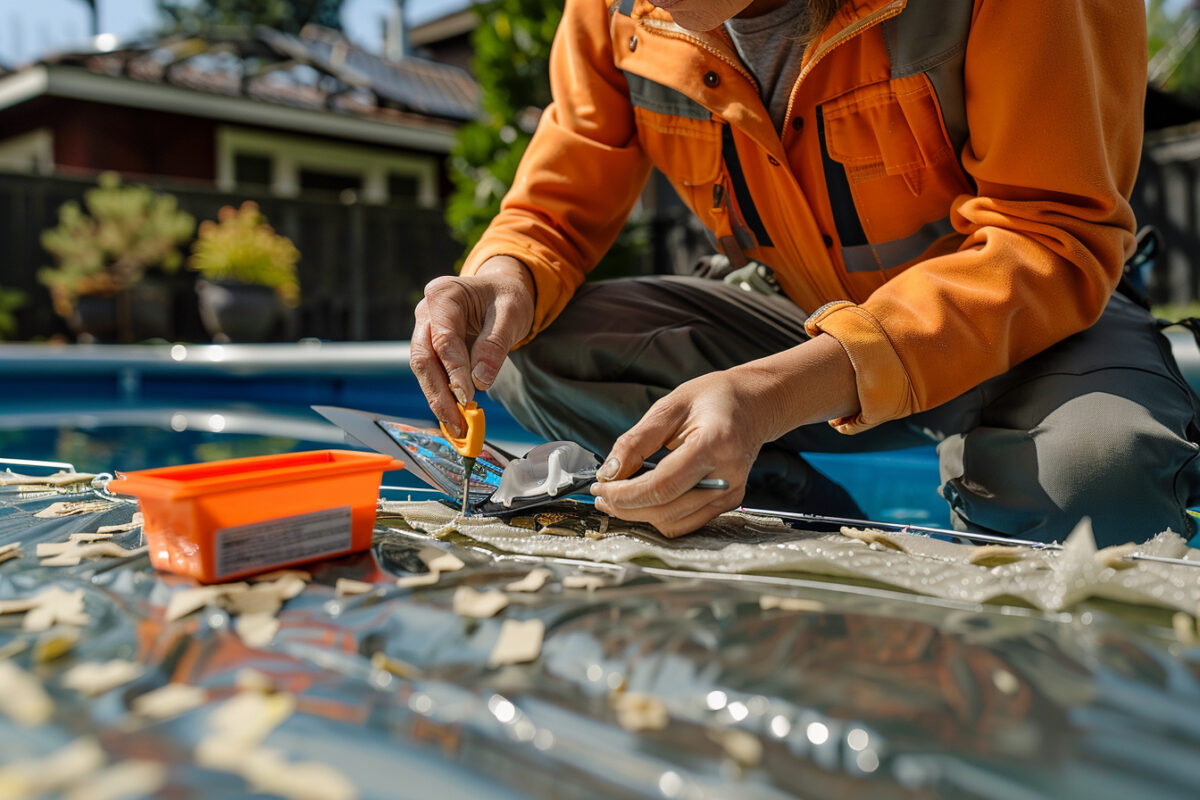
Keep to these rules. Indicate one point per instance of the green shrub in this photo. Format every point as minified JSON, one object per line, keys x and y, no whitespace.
{"x":512,"y":64}
{"x":107,"y":248}
{"x":243,"y":247}
{"x":11,"y":301}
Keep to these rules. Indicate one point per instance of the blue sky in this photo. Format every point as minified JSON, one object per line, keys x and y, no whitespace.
{"x":31,"y":29}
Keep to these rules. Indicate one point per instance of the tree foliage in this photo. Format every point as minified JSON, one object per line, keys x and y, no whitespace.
{"x":289,"y":16}
{"x":1166,"y":19}
{"x":11,"y":301}
{"x":512,"y":65}
{"x":106,"y":246}
{"x":243,"y":247}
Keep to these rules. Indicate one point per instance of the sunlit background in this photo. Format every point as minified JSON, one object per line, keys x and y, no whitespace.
{"x":29,"y":31}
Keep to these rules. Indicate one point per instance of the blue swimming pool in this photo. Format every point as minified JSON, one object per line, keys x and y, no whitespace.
{"x":128,"y":408}
{"x":840,"y":688}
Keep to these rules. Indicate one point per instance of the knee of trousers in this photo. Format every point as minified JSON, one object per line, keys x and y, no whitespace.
{"x":511,"y":388}
{"x":1116,"y":464}
{"x":529,"y":376}
{"x":558,"y":407}
{"x":509,"y":384}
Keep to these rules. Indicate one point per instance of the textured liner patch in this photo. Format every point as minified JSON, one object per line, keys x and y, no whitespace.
{"x":742,"y":543}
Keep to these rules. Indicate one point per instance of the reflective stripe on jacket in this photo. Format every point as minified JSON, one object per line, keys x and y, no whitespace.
{"x":939,"y":243}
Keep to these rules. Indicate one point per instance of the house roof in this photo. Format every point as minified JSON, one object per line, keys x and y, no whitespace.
{"x":247,"y":73}
{"x":444,"y":27}
{"x":412,"y":84}
{"x":429,"y":12}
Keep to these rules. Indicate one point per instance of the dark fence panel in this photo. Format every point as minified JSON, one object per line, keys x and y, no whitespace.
{"x":1167,"y":196}
{"x":362,"y":268}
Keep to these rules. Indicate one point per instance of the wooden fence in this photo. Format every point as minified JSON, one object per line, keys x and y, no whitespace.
{"x":1167,"y":196}
{"x":362,"y":267}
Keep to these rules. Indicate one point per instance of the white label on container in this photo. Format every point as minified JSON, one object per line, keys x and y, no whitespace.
{"x":284,"y":540}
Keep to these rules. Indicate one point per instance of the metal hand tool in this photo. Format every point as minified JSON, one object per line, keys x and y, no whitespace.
{"x":469,"y":445}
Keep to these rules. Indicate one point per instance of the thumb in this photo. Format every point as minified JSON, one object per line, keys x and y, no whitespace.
{"x":652,"y":432}
{"x":495,"y":339}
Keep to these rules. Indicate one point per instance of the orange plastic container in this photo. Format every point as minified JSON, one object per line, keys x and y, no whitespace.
{"x":221,"y":520}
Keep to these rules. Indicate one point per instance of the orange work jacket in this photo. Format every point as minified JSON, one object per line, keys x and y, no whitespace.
{"x":944,"y":213}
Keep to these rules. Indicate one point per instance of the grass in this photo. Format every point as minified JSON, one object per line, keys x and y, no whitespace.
{"x":1177,"y":312}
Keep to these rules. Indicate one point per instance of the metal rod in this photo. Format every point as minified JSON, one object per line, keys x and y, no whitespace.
{"x":717,"y":484}
{"x":983,"y":537}
{"x":24,"y":462}
{"x":468,"y":466}
{"x":904,"y":528}
{"x":1182,"y":562}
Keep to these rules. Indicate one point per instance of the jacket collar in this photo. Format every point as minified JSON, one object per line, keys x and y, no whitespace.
{"x":851,"y":13}
{"x":685,"y":72}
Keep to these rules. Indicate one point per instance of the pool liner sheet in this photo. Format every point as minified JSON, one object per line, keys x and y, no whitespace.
{"x":832,"y":689}
{"x":741,"y":543}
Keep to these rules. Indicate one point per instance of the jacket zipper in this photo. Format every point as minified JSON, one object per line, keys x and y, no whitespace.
{"x":720,"y":192}
{"x":871,"y":20}
{"x":887,"y":12}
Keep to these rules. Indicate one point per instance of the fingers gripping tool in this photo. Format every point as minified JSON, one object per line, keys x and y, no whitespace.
{"x":469,"y":445}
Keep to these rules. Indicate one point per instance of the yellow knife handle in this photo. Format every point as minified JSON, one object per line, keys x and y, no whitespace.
{"x":470,"y":445}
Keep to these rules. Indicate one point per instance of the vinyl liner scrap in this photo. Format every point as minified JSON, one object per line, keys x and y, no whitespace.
{"x":733,"y":543}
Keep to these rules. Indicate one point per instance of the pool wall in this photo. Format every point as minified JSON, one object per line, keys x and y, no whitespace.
{"x":891,"y":486}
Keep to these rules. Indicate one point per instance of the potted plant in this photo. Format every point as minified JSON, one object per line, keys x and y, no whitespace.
{"x":102,"y":256}
{"x":248,"y":274}
{"x":11,"y":301}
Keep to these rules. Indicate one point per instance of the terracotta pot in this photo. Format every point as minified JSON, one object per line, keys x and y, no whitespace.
{"x":233,"y":311}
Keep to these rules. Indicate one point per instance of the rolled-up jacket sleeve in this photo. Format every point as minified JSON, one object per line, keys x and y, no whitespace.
{"x":580,"y":176}
{"x":1054,"y":98}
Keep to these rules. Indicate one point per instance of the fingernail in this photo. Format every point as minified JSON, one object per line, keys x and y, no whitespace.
{"x":609,"y":470}
{"x":459,"y":395}
{"x":483,"y":375}
{"x":594,"y":489}
{"x":454,"y":428}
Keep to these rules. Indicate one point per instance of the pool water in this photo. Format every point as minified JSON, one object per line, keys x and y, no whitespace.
{"x":128,"y":408}
{"x":867,"y":692}
{"x":107,"y":435}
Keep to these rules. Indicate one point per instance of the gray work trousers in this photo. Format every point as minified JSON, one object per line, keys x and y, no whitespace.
{"x":1101,"y":424}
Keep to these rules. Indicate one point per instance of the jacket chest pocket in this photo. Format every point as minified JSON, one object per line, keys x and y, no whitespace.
{"x":678,"y":134}
{"x":687,"y":151}
{"x":889,"y":144}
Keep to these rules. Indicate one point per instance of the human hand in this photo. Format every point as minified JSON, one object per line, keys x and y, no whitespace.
{"x":715,"y":425}
{"x":709,"y":424}
{"x":464,"y":329}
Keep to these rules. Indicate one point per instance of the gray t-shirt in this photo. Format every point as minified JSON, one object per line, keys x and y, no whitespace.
{"x":770,"y":48}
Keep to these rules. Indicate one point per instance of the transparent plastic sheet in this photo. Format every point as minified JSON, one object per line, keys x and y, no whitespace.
{"x":854,"y":692}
